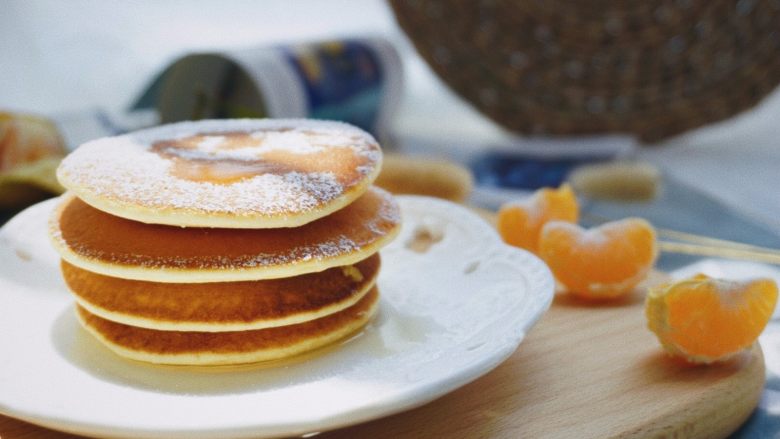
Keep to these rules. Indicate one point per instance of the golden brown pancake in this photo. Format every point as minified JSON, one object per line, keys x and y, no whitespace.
{"x":222,"y":306}
{"x":212,"y":348}
{"x":260,"y":173}
{"x":96,"y":241}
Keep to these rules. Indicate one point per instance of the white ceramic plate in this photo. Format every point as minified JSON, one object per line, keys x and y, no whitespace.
{"x":447,"y":316}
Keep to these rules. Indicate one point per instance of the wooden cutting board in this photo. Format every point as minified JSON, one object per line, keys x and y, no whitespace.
{"x":584,"y":371}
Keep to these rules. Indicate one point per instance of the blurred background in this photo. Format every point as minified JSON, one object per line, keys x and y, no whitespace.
{"x":679,"y":94}
{"x":663,"y":109}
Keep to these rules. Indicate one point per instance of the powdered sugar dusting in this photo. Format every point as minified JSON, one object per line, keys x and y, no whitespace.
{"x":389,"y":213}
{"x":209,"y":144}
{"x":125,"y":169}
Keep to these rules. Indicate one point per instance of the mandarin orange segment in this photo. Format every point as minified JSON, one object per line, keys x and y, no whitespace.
{"x":703,"y":320}
{"x":600,"y":263}
{"x":521,"y":222}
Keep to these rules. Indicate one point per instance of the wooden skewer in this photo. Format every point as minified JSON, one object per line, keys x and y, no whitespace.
{"x":694,"y":238}
{"x":705,"y":245}
{"x":718,"y":251}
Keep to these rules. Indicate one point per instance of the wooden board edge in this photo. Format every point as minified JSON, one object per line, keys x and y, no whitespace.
{"x":728,"y":404}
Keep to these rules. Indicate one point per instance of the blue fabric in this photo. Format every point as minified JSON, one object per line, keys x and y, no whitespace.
{"x":765,"y":420}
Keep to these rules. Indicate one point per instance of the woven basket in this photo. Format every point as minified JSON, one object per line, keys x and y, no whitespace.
{"x":653,"y":68}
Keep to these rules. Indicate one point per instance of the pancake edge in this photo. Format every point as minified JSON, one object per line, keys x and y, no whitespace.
{"x":183,"y":326}
{"x":200,"y":275}
{"x":206,"y":359}
{"x":224,"y":220}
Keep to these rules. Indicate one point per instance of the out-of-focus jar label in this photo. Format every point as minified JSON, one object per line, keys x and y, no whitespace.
{"x":343,"y":81}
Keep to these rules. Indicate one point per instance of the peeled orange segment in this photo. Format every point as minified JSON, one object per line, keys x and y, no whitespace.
{"x":520,"y":222}
{"x":600,"y":263}
{"x":704,"y":320}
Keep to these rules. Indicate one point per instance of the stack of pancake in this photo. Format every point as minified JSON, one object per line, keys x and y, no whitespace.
{"x":224,"y":242}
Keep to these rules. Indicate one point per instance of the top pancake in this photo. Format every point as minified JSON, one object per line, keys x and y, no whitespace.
{"x":247,"y":173}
